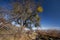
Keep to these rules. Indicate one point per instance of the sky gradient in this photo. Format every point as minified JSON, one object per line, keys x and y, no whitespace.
{"x":50,"y":17}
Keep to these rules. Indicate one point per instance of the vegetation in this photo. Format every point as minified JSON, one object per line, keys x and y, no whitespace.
{"x":29,"y":35}
{"x":24,"y":13}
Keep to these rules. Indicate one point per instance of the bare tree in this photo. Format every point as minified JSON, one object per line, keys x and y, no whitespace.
{"x":27,"y":10}
{"x":24,"y":12}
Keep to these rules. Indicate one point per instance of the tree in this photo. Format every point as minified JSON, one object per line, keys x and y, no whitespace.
{"x":26,"y":10}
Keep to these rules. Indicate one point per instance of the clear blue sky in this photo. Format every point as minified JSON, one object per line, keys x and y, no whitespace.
{"x":50,"y":18}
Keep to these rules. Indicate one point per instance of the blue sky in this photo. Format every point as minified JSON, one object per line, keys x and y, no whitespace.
{"x":50,"y":17}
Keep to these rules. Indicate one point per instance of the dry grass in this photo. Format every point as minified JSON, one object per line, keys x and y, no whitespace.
{"x":29,"y":35}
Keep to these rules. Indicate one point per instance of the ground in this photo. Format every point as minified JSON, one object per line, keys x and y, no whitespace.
{"x":32,"y":35}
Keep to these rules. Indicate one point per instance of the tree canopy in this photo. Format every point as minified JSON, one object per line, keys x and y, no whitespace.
{"x":24,"y":12}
